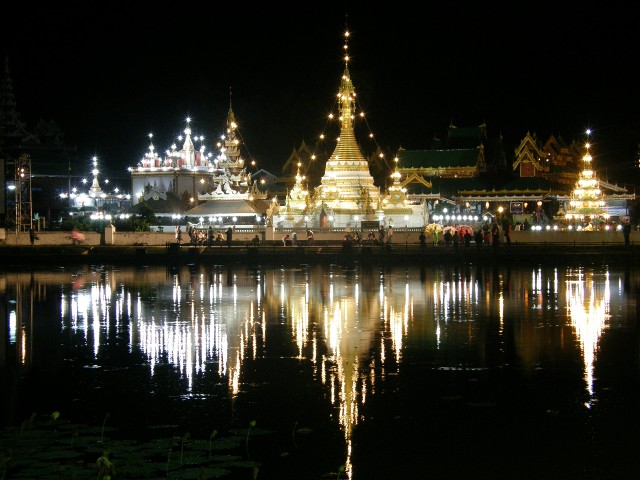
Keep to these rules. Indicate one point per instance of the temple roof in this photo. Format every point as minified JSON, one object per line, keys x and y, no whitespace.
{"x":230,"y":207}
{"x":437,"y":158}
{"x":447,"y":186}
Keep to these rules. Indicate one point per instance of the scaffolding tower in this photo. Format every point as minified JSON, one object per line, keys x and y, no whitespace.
{"x":20,"y":208}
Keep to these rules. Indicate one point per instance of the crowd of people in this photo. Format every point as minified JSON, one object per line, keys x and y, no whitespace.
{"x":204,"y":236}
{"x":292,"y":239}
{"x":452,"y":235}
{"x":487,"y":234}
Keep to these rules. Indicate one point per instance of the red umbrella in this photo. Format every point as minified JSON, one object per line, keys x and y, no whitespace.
{"x":463,"y":229}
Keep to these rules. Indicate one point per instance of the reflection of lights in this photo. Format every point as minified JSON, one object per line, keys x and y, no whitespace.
{"x":351,"y":338}
{"x":13,"y":327}
{"x":588,"y":311}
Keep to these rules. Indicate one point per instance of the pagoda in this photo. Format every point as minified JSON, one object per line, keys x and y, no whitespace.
{"x":587,"y":204}
{"x":192,"y":180}
{"x":230,"y":195}
{"x":346,"y":194}
{"x":297,"y":201}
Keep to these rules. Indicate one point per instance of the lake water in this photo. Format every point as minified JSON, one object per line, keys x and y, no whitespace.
{"x":521,"y":372}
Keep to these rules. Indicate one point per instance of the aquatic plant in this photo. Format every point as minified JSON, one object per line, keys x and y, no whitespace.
{"x":298,"y":430}
{"x":185,"y":438}
{"x":213,"y":434}
{"x":104,"y":422}
{"x":106,"y":468}
{"x":4,"y":461}
{"x":252,"y":423}
{"x":55,"y":416}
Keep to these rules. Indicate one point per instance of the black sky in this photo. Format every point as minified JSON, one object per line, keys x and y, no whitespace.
{"x":109,"y":75}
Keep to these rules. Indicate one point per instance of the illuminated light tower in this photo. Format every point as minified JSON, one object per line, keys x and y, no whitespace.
{"x":95,"y":189}
{"x":587,"y":200}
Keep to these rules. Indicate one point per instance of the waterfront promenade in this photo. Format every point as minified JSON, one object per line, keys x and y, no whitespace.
{"x":275,"y":253}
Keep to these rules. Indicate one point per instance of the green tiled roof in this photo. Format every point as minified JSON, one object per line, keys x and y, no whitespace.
{"x":437,"y":158}
{"x":447,"y":186}
{"x":528,"y":183}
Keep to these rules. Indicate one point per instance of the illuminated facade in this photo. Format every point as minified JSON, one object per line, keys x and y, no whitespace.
{"x":199,"y":182}
{"x":347,"y":195}
{"x":96,"y":202}
{"x":587,"y":202}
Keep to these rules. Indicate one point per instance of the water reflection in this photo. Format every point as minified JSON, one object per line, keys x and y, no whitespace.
{"x":588,"y":297}
{"x":353,"y":325}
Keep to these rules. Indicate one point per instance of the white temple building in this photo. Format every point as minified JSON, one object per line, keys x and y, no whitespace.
{"x":193,"y":182}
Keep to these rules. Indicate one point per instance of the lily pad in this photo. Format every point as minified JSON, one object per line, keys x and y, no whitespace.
{"x":254,"y":432}
{"x":216,"y":444}
{"x":57,"y":455}
{"x":241,"y":464}
{"x":201,"y":472}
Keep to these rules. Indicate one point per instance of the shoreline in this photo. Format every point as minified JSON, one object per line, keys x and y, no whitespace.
{"x":332,"y":253}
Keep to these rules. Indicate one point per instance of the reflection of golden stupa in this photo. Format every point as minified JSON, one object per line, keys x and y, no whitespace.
{"x":587,"y":200}
{"x":346,"y":189}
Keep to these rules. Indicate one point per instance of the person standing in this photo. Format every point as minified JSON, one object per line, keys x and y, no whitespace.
{"x":178,"y":234}
{"x":229,"y":236}
{"x":507,"y":233}
{"x":495,"y":234}
{"x":209,"y":235}
{"x":33,"y":236}
{"x":626,"y":231}
{"x":294,"y":238}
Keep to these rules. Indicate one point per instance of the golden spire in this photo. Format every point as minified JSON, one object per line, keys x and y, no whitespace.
{"x":231,"y":118}
{"x":347,"y":94}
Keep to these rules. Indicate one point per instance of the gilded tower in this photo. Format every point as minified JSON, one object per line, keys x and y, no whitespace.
{"x":346,"y":191}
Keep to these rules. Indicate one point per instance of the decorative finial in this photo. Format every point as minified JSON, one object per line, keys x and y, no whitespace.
{"x":346,"y":39}
{"x":346,"y":47}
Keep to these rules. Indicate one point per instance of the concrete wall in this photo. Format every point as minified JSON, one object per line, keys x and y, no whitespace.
{"x":400,"y":236}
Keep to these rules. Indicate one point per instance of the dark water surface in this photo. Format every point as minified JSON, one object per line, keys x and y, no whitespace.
{"x":520,"y":372}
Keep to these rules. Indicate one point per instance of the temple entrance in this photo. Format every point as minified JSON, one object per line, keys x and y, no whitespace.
{"x":324,"y":219}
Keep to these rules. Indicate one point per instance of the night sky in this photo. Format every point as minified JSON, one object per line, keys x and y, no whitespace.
{"x":109,"y":76}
